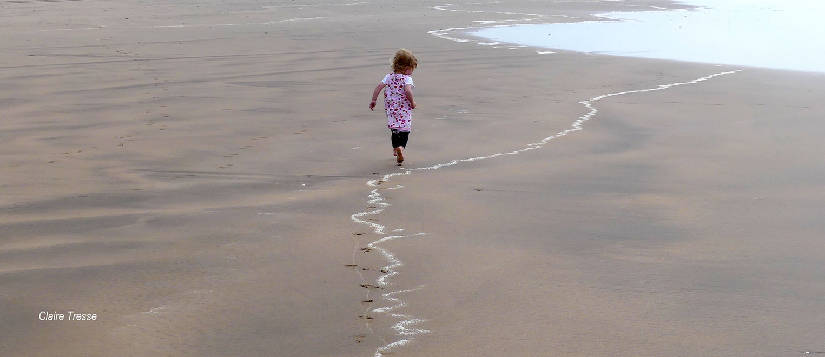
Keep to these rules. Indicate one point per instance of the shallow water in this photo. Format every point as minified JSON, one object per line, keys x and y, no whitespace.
{"x":760,"y":33}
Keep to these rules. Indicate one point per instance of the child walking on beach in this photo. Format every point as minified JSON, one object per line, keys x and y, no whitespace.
{"x":398,"y":100}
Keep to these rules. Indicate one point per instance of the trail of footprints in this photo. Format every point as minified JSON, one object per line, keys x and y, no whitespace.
{"x":366,"y":301}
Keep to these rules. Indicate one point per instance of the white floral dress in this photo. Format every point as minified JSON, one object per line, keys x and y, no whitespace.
{"x":399,"y":112}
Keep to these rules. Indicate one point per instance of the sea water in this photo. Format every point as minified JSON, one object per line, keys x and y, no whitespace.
{"x":782,"y":34}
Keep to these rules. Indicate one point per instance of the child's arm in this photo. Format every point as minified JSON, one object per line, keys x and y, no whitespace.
{"x":408,"y":92}
{"x":377,"y":90}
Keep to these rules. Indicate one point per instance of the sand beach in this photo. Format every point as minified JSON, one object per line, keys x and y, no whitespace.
{"x":207,"y":180}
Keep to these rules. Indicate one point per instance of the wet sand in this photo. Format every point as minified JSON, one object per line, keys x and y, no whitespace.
{"x":188,"y":172}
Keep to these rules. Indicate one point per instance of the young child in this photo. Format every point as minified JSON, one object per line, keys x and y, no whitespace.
{"x":398,"y":100}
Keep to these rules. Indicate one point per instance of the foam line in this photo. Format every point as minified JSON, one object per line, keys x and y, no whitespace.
{"x":389,"y":347}
{"x":390,"y":271}
{"x":522,"y":18}
{"x":393,"y":261}
{"x":402,"y":326}
{"x":398,"y":303}
{"x":577,"y":124}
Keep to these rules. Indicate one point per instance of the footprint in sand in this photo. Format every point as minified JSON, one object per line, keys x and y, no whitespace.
{"x":69,"y":155}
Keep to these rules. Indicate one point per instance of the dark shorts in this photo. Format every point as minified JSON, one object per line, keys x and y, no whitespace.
{"x":399,"y":138}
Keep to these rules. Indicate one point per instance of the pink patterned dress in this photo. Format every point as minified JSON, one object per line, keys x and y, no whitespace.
{"x":399,"y":113}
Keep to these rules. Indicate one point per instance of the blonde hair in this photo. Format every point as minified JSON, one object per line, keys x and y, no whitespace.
{"x":403,"y":59}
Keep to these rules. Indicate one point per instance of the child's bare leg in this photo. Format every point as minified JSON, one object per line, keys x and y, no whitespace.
{"x":400,"y":152}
